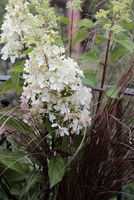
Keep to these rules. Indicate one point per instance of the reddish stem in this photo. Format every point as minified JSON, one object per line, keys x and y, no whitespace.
{"x":71,"y":34}
{"x":105,"y":64}
{"x":25,"y":48}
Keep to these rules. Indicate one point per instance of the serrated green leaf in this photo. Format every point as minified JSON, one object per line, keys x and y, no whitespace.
{"x":90,"y":80}
{"x":15,"y":78}
{"x":90,"y":56}
{"x":59,"y":42}
{"x":99,"y":38}
{"x":85,"y":22}
{"x":56,"y":170}
{"x":28,"y":50}
{"x":112,"y":92}
{"x":79,"y":36}
{"x":125,"y":41}
{"x":12,"y":86}
{"x":65,"y":20}
{"x":118,"y":51}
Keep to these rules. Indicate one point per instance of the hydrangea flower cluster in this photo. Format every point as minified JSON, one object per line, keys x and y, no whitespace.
{"x":122,"y":10}
{"x":74,"y":4}
{"x":19,"y":26}
{"x":101,"y":14}
{"x":52,"y":82}
{"x":117,"y":29}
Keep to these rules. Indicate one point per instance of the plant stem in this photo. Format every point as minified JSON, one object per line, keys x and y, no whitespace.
{"x":105,"y":64}
{"x":9,"y":195}
{"x":71,"y":34}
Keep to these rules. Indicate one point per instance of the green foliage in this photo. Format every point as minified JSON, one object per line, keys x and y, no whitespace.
{"x":79,"y":36}
{"x":24,"y":171}
{"x":18,"y":172}
{"x":15,"y":81}
{"x":18,"y":67}
{"x":127,"y":25}
{"x":15,"y":78}
{"x":112,"y":92}
{"x":90,"y":56}
{"x":90,"y":80}
{"x":99,"y":38}
{"x":118,"y":51}
{"x":65,"y":20}
{"x":125,"y":41}
{"x":59,"y":42}
{"x":85,"y":22}
{"x":56,"y":170}
{"x":12,"y":86}
{"x":28,"y":50}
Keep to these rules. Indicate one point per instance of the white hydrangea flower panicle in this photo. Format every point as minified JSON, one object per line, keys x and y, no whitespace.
{"x":52,"y":82}
{"x":22,"y":27}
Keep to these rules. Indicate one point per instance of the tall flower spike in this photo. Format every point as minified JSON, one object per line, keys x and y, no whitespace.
{"x":52,"y":82}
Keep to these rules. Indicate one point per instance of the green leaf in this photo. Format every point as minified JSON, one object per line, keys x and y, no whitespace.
{"x":125,"y":41}
{"x":37,"y":178}
{"x":127,"y":25}
{"x":118,"y":51}
{"x":28,"y":50}
{"x":15,"y":78}
{"x":101,"y":21}
{"x":19,"y":63}
{"x":99,"y":38}
{"x":13,"y":164}
{"x":14,"y":176}
{"x":12,"y":86}
{"x":48,"y":124}
{"x":79,"y":36}
{"x":90,"y":80}
{"x":15,"y":190}
{"x":85,"y":22}
{"x":65,"y":39}
{"x":59,"y":42}
{"x":112,"y":92}
{"x":65,"y":20}
{"x":91,"y":70}
{"x":56,"y":170}
{"x":90,"y":56}
{"x":102,"y":59}
{"x":18,"y":67}
{"x":25,"y":40}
